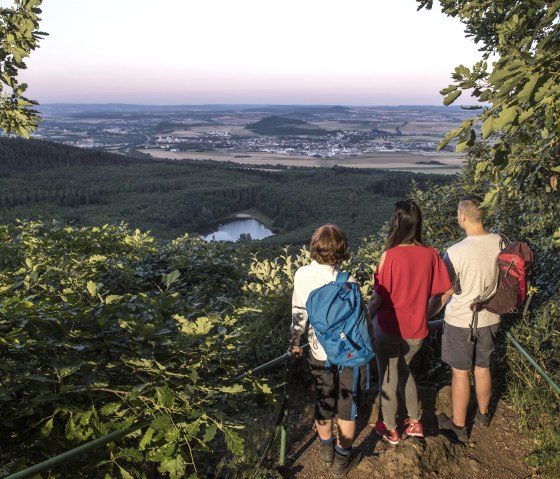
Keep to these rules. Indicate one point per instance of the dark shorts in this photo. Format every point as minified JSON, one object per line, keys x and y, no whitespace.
{"x":460,"y":352}
{"x":337,"y":392}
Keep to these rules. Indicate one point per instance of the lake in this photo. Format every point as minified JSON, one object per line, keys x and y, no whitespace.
{"x":231,"y":230}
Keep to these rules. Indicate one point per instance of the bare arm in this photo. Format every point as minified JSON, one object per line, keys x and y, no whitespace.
{"x":299,"y":316}
{"x":437,"y":302}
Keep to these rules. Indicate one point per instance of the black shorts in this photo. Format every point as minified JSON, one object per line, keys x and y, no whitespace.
{"x":460,"y":352}
{"x":337,"y":392}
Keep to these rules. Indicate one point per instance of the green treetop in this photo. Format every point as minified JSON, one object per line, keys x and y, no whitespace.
{"x":520,"y":91}
{"x":19,"y":36}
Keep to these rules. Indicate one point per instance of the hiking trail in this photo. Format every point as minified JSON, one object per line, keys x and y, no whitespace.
{"x":495,"y":452}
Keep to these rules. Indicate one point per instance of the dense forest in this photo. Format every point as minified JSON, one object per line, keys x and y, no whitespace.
{"x":40,"y":179}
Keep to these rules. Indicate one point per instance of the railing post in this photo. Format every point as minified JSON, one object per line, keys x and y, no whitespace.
{"x":284,"y":415}
{"x":283,"y":437}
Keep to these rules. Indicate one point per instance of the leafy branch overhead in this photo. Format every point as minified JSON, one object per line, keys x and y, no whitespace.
{"x":518,"y":82}
{"x":19,"y":36}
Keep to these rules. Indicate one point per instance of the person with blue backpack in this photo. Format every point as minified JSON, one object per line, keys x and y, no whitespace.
{"x":409,"y":273}
{"x":340,"y":343}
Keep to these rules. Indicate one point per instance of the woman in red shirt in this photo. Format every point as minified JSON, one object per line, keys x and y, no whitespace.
{"x":408,"y":274}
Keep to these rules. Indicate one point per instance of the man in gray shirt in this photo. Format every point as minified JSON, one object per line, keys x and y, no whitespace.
{"x":472,"y":267}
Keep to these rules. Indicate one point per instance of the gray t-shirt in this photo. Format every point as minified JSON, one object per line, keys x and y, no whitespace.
{"x":472,"y":267}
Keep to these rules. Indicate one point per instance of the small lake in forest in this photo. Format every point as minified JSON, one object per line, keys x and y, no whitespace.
{"x":232,"y":230}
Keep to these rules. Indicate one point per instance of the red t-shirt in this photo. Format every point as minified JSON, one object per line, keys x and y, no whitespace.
{"x":409,"y":276}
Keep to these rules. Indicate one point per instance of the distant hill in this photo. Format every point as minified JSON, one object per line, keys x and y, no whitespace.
{"x":282,"y":126}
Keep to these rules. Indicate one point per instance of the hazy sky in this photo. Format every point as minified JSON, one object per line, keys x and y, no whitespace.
{"x":352,"y":52}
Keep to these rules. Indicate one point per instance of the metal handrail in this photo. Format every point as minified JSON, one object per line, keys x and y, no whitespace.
{"x":68,"y":455}
{"x":116,"y":435}
{"x":264,"y":366}
{"x":533,"y":363}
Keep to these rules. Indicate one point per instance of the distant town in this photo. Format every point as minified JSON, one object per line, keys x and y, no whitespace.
{"x":233,"y":131}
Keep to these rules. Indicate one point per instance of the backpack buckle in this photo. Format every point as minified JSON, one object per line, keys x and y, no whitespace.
{"x":343,"y":336}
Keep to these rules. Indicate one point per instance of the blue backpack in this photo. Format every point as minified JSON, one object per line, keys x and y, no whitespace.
{"x":335,"y":311}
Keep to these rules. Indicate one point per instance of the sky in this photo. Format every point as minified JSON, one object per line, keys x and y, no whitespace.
{"x":356,"y":52}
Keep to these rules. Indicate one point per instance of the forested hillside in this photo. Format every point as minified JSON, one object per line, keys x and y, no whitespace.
{"x":281,"y":126}
{"x":46,"y":180}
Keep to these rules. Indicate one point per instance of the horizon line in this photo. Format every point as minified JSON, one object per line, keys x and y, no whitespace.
{"x":343,"y":105}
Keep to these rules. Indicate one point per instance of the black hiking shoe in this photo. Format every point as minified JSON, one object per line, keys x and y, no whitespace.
{"x":327,"y":453}
{"x":482,"y":420}
{"x":446,"y":425}
{"x":343,"y":463}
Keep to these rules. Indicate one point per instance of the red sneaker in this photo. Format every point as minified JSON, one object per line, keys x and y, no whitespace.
{"x":392,"y":437}
{"x":414,"y":429}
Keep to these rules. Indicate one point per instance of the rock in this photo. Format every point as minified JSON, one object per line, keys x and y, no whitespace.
{"x":434,"y":457}
{"x":474,"y":465}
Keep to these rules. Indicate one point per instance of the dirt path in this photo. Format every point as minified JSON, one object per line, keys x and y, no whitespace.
{"x":496,"y":452}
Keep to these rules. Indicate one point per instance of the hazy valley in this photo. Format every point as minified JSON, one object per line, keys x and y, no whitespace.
{"x":401,"y":137}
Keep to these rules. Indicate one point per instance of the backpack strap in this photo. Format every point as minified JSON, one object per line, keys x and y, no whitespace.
{"x":474,"y":327}
{"x":355,"y":389}
{"x":479,"y":303}
{"x":356,"y":386}
{"x":490,"y":290}
{"x":504,"y":241}
{"x":342,"y":277}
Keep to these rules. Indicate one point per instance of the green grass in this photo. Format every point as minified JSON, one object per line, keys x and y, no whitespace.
{"x":536,"y":404}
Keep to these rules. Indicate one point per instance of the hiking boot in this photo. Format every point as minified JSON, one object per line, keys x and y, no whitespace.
{"x":392,"y":437}
{"x":414,"y":430}
{"x":482,"y":420}
{"x":446,"y":425}
{"x":327,"y":453}
{"x":343,"y":463}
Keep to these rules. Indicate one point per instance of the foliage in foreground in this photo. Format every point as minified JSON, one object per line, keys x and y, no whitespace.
{"x":99,"y":330}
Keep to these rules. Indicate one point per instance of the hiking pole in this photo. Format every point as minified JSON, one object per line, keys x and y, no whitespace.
{"x":283,"y":432}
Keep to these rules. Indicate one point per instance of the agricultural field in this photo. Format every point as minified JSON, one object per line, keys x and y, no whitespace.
{"x":404,"y":161}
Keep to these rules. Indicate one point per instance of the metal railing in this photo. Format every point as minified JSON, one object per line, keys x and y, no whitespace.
{"x":280,"y":426}
{"x":77,"y":451}
{"x":533,"y":363}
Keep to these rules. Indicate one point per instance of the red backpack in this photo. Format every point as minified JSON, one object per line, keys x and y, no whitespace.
{"x":509,"y":290}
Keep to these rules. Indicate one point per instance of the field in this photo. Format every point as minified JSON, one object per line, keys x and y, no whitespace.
{"x":403,"y":161}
